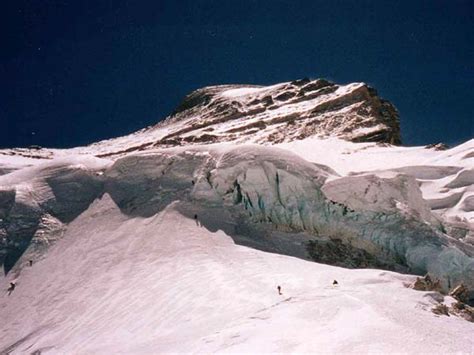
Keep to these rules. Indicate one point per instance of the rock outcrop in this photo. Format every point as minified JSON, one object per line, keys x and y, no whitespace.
{"x":283,"y":112}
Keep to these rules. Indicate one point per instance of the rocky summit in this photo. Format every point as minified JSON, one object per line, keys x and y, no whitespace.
{"x":284,"y":112}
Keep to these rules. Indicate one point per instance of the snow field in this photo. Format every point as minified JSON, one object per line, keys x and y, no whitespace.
{"x":162,"y":284}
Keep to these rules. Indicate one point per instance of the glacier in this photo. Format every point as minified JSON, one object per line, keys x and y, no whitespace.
{"x":265,"y":192}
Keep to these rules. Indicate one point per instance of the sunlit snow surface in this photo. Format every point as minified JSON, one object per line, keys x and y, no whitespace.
{"x":124,"y":283}
{"x":163,"y":284}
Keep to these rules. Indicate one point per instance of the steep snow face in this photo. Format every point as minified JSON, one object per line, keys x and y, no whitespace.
{"x":162,"y":284}
{"x":37,"y":202}
{"x":263,"y":197}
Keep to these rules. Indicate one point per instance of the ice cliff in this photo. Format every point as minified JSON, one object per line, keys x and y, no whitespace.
{"x":264,"y":197}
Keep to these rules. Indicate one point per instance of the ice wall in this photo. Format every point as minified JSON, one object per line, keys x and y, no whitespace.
{"x":253,"y":185}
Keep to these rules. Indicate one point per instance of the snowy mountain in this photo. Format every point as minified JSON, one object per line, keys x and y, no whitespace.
{"x":269,"y":115}
{"x":113,"y":246}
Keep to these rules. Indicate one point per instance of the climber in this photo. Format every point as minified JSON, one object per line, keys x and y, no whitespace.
{"x":192,"y":182}
{"x":344,"y":210}
{"x":279,"y":289}
{"x":196,"y":219}
{"x":11,"y":288}
{"x":335,"y":283}
{"x":31,"y":263}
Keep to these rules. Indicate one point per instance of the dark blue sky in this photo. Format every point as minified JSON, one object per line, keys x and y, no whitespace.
{"x":75,"y":72}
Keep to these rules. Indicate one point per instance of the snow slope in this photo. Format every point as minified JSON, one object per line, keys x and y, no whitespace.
{"x":116,"y":284}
